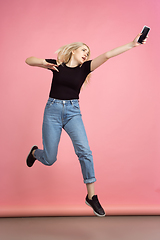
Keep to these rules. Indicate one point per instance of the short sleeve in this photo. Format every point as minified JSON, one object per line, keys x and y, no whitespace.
{"x":87,"y":67}
{"x":51,"y":61}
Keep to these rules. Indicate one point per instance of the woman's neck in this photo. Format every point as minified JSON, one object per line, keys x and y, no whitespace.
{"x":72,"y":63}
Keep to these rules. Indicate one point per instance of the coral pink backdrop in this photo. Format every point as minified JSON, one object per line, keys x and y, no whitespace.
{"x":120,"y":107}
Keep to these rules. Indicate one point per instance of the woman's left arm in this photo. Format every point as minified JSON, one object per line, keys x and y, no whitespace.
{"x":98,"y":61}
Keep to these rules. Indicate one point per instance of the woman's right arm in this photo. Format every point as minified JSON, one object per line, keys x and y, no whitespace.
{"x":38,"y":62}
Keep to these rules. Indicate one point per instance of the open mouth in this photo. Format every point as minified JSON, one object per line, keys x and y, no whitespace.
{"x":83,"y":58}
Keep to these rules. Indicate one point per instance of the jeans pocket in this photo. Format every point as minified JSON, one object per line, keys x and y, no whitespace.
{"x":49,"y":103}
{"x":76,"y":105}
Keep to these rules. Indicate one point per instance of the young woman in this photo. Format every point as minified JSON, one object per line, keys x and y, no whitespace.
{"x":70,"y":71}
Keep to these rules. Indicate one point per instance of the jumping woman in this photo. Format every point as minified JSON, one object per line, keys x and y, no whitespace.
{"x":70,"y":71}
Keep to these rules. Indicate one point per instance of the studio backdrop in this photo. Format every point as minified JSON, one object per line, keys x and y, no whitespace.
{"x":120,"y":107}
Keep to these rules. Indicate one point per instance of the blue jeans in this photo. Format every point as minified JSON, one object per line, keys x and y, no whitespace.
{"x":65,"y":114}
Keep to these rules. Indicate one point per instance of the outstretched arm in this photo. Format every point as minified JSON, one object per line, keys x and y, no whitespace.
{"x":38,"y":62}
{"x":98,"y":61}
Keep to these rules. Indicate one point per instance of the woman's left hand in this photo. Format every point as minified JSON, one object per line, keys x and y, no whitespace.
{"x":135,"y":43}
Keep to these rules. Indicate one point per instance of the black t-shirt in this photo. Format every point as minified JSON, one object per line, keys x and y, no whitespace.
{"x":66,"y":83}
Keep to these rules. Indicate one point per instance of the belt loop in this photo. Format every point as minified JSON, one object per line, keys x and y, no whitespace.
{"x":71,"y":102}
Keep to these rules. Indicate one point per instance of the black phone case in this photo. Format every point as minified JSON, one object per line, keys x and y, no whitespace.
{"x":144,"y":34}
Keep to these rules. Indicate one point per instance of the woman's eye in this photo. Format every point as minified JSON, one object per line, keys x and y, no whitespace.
{"x":84,"y":51}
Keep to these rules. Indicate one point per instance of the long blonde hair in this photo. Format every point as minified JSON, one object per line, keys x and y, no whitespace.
{"x":64,"y":54}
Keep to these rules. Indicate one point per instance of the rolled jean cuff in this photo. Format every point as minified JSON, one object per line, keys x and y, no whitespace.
{"x":91,"y":180}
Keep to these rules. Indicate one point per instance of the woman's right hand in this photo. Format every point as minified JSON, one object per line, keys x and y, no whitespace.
{"x":50,"y":65}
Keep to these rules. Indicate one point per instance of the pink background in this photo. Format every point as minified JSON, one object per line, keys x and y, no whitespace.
{"x":120,"y":107}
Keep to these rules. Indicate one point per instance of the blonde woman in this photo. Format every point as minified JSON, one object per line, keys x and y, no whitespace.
{"x":70,"y":71}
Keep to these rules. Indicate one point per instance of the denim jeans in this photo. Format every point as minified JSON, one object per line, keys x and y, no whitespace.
{"x":65,"y":114}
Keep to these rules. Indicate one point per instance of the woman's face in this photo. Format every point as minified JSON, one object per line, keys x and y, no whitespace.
{"x":81,"y":54}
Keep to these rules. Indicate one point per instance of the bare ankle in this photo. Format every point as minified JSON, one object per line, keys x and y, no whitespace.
{"x":90,"y":197}
{"x":33,"y":153}
{"x":90,"y":190}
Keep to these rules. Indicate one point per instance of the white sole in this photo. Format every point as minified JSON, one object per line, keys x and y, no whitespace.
{"x":94,"y":211}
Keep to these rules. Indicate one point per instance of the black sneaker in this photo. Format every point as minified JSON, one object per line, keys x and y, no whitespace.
{"x":94,"y":203}
{"x":30,"y":159}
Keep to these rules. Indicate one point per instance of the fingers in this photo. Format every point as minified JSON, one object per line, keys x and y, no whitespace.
{"x":139,"y":35}
{"x":136,"y":38}
{"x":53,"y":66}
{"x":145,"y":40}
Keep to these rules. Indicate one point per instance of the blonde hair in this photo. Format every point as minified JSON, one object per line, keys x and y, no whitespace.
{"x":64,"y":54}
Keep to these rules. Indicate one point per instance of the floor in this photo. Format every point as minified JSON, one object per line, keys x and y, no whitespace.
{"x":81,"y":228}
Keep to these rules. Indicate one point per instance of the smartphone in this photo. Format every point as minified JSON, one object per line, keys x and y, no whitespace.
{"x":144,"y":32}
